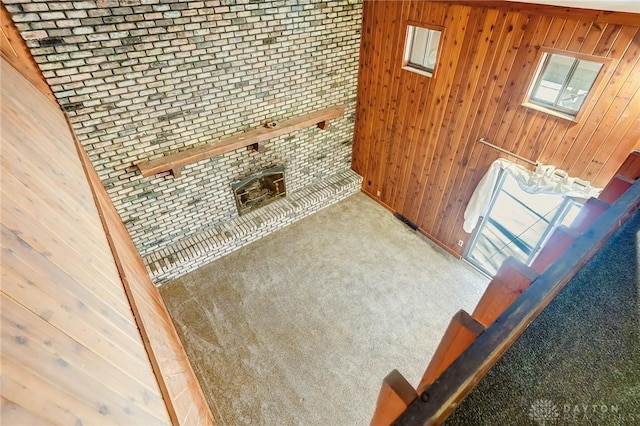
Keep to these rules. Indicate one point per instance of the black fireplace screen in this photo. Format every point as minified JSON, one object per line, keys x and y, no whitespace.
{"x":259,"y":189}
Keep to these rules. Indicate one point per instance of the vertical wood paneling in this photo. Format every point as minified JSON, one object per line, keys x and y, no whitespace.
{"x":14,"y":414}
{"x":626,"y":142}
{"x":414,"y":91}
{"x":455,"y":22}
{"x":479,"y":155}
{"x":594,"y":152}
{"x":71,"y":350}
{"x":416,"y":138}
{"x":70,"y":366}
{"x":360,"y":152}
{"x":394,"y":127}
{"x":386,"y":95}
{"x":441,"y":164}
{"x":491,"y":85}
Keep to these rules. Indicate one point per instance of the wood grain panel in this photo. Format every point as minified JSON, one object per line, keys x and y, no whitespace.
{"x":493,"y":78}
{"x":16,"y":52}
{"x":597,"y":16}
{"x":14,"y":414}
{"x":416,"y":137}
{"x":86,"y":317}
{"x":466,"y":78}
{"x":71,"y":350}
{"x":62,"y":361}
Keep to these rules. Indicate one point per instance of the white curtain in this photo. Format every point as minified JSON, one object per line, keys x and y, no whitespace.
{"x":543,"y":180}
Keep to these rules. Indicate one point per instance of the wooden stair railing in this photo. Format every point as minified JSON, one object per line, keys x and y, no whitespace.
{"x":511,"y":280}
{"x":630,"y":168}
{"x":437,"y":401}
{"x":559,"y":241}
{"x":395,"y":391}
{"x":473,"y":343}
{"x":563,"y":237}
{"x":395,"y":396}
{"x":615,"y":188}
{"x":460,"y":334}
{"x":592,"y":209}
{"x":252,"y":138}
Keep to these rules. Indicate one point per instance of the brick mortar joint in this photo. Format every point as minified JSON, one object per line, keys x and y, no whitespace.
{"x":141,"y":87}
{"x":308,"y":201}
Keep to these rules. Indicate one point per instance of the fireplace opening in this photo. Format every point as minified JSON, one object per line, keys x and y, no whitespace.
{"x":259,"y":189}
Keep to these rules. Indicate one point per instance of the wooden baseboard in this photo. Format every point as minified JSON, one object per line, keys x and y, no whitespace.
{"x":440,"y":243}
{"x":422,"y":231}
{"x":377,"y":200}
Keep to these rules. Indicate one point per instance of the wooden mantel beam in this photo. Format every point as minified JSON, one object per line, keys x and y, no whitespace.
{"x":253,"y":137}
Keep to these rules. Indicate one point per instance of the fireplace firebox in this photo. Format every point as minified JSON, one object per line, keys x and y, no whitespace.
{"x":259,"y":189}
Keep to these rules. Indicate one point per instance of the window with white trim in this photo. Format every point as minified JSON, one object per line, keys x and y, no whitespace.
{"x":421,"y":50}
{"x":562,"y":83}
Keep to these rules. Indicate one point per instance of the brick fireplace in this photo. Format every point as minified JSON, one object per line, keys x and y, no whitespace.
{"x":144,"y":79}
{"x":259,"y":189}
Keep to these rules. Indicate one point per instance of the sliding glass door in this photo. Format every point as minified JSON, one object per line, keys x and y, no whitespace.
{"x":517,"y":224}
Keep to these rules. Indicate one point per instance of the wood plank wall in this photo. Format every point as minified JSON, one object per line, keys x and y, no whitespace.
{"x":15,"y":50}
{"x":416,"y":137}
{"x":23,"y":400}
{"x":71,"y":349}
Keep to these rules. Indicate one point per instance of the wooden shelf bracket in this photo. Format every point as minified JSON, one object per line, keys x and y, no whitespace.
{"x":253,"y":139}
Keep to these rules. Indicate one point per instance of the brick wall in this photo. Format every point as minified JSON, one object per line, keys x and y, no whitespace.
{"x":141,"y":79}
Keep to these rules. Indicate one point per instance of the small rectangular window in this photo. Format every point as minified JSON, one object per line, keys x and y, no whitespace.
{"x":421,"y":50}
{"x":562,"y":83}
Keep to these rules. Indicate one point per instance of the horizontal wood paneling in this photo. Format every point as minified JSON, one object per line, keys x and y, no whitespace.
{"x":416,"y":137}
{"x":71,"y":349}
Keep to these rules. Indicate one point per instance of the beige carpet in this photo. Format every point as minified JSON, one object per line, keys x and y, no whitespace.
{"x":300,"y":327}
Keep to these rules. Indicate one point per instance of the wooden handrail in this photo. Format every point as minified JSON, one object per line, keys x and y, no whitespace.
{"x":251,"y":138}
{"x":512,"y":279}
{"x":558,"y":243}
{"x":462,"y":331}
{"x":395,"y":396}
{"x":439,"y":399}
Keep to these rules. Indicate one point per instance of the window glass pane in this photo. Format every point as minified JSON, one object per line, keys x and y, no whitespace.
{"x":419,"y":46}
{"x":578,"y":87}
{"x":564,"y":83}
{"x":553,"y":77}
{"x":422,"y":53}
{"x":432,"y":50}
{"x":514,"y":226}
{"x":571,"y":214}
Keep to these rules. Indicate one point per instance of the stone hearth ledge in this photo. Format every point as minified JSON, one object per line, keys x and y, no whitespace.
{"x":197,"y":250}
